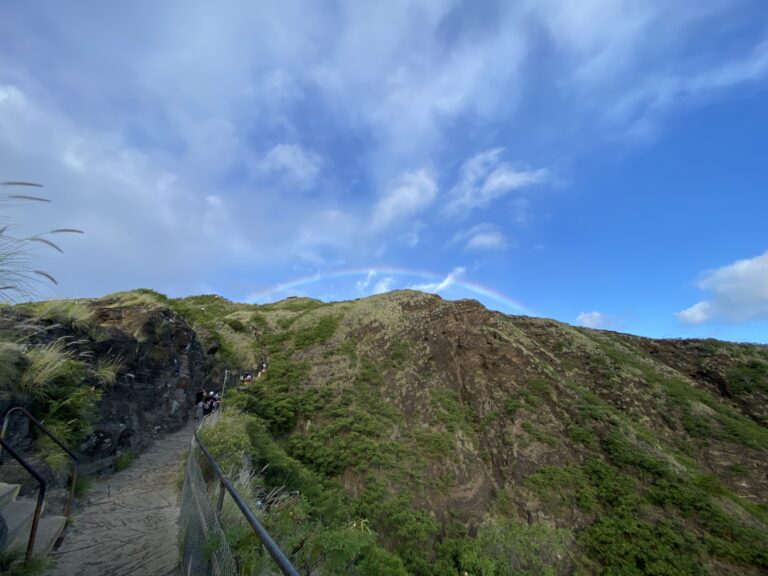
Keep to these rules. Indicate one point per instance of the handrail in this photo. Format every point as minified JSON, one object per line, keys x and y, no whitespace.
{"x":41,"y":426}
{"x":40,"y":495}
{"x":274,"y":550}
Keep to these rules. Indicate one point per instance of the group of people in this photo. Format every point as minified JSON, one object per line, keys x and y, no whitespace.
{"x":206,"y":402}
{"x":261,"y":369}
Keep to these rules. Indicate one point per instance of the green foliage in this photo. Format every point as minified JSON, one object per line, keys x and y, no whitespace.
{"x":582,"y":435}
{"x":235,"y":324}
{"x":318,"y":333}
{"x":505,"y":548}
{"x":258,"y":319}
{"x":13,"y":363}
{"x":409,"y":531}
{"x":12,"y":564}
{"x":68,"y":313}
{"x":563,"y":487}
{"x":434,"y":444}
{"x":228,"y":439}
{"x":451,"y":412}
{"x":124,"y":460}
{"x":83,"y":485}
{"x":107,"y":370}
{"x":748,"y":377}
{"x":49,"y":365}
{"x":628,"y":546}
{"x":399,"y":352}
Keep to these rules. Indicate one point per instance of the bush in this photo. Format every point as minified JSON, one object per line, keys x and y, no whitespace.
{"x":124,"y":461}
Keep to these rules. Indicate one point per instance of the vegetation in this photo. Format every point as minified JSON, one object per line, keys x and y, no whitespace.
{"x":124,"y":460}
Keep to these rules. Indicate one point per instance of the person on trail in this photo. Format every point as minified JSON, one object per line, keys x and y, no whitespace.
{"x":199,"y":397}
{"x":216,"y":401}
{"x":208,"y":404}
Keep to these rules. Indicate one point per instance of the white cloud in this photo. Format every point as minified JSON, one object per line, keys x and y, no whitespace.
{"x":592,"y":319}
{"x":485,"y":178}
{"x":362,"y":285}
{"x":481,"y":237}
{"x":301,"y":167}
{"x":436,"y":287}
{"x":384,"y":285}
{"x":413,"y":192}
{"x":696,"y":314}
{"x":739,"y":293}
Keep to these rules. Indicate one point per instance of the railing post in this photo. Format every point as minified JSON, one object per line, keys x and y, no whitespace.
{"x":35,"y":521}
{"x":220,"y":501}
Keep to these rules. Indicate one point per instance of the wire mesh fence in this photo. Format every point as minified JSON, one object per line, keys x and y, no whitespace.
{"x":218,"y":536}
{"x":204,"y":548}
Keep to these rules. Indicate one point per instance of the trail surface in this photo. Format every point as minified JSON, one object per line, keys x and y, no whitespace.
{"x":127,"y":524}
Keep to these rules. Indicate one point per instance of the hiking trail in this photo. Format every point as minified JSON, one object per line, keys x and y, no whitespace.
{"x":127,"y":523}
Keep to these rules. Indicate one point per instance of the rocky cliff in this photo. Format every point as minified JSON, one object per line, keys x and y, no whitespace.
{"x":108,"y":375}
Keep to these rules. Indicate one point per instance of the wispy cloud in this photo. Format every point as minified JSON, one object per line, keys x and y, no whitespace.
{"x":481,"y":237}
{"x":593,"y":319}
{"x":485,"y":178}
{"x":739,"y":293}
{"x":411,"y":194}
{"x":299,"y":166}
{"x":436,"y":287}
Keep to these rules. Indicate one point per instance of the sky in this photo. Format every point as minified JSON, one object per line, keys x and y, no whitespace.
{"x":602,"y":162}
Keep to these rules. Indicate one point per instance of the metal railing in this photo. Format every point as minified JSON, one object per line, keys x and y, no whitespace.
{"x":40,"y":480}
{"x":40,"y":495}
{"x":226,"y":485}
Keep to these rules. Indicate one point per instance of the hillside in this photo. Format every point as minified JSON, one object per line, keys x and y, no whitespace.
{"x":432,"y":437}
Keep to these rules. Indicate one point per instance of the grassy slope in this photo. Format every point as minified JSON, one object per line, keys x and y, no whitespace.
{"x":499,"y":445}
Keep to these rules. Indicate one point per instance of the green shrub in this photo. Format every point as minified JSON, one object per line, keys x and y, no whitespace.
{"x":13,"y":363}
{"x":318,"y":333}
{"x":235,"y":324}
{"x":124,"y":461}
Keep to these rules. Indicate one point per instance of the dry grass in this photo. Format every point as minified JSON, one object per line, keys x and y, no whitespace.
{"x":18,"y":273}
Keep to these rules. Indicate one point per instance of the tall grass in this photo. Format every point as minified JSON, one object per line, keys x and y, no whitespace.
{"x":46,"y":364}
{"x":107,"y":370}
{"x":68,"y":313}
{"x":18,"y":273}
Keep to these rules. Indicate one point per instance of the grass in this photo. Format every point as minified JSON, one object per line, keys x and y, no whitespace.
{"x":107,"y":370}
{"x":124,"y":460}
{"x":47,"y":364}
{"x":72,"y":314}
{"x":12,"y":564}
{"x":13,"y":363}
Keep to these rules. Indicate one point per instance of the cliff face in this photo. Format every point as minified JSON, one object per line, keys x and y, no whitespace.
{"x":543,"y":445}
{"x":129,"y":371}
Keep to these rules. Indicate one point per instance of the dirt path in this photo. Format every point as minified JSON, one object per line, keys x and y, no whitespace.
{"x":127,"y":524}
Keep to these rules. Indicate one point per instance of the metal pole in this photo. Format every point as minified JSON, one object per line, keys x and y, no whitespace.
{"x":225,"y":383}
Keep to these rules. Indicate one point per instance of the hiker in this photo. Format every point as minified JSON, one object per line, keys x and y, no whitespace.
{"x":208,"y":404}
{"x":216,"y":401}
{"x":199,"y":397}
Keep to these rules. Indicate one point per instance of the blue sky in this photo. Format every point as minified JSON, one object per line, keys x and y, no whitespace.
{"x":599,"y":162}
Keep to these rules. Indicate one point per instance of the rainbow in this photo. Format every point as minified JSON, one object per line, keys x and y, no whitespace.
{"x":484,"y":292}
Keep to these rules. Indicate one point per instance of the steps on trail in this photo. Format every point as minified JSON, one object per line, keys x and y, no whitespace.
{"x":8,"y":493}
{"x":17,"y":514}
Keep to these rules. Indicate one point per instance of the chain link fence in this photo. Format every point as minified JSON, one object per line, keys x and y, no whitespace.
{"x":204,"y":548}
{"x":216,"y":539}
